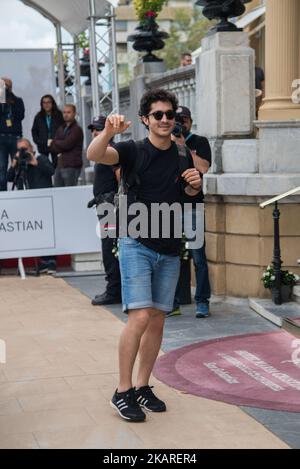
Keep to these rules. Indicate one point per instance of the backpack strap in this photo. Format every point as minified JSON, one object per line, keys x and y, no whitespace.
{"x":131,"y":176}
{"x":184,"y":157}
{"x":184,"y":161}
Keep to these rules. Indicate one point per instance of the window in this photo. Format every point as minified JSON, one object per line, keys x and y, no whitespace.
{"x":121,"y":25}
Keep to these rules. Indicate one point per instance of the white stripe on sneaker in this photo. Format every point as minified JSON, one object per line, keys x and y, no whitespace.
{"x":116,"y":408}
{"x":123,"y":406}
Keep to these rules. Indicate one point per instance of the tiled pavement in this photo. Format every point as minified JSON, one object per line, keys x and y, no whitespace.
{"x":61,"y":371}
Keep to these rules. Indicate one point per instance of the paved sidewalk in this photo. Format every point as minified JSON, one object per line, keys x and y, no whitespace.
{"x":61,"y":371}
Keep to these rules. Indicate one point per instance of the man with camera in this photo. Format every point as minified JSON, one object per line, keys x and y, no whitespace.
{"x":105,"y":188}
{"x":201,"y":153}
{"x":12,"y":113}
{"x":29,"y":171}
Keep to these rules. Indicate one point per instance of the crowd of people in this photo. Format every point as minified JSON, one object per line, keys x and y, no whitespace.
{"x":58,"y":139}
{"x":55,"y":133}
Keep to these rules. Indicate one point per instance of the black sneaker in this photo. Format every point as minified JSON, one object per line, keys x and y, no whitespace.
{"x":51,"y":267}
{"x":42,"y":267}
{"x":47,"y":267}
{"x":125,"y":403}
{"x":147,"y":399}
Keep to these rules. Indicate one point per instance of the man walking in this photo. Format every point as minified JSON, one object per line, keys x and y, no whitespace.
{"x":150,"y":265}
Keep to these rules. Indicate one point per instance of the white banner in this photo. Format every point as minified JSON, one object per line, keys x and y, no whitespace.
{"x":45,"y":222}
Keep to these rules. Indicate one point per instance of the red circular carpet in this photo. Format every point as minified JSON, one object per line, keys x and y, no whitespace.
{"x":257,"y":370}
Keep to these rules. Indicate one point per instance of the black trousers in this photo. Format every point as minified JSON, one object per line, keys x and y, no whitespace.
{"x":111,"y":267}
{"x":8,"y":148}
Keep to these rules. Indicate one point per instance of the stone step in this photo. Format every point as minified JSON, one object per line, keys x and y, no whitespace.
{"x":291,"y":326}
{"x":88,"y":266}
{"x":89,"y":262}
{"x":87,"y":257}
{"x":275,"y":313}
{"x":296,"y":293}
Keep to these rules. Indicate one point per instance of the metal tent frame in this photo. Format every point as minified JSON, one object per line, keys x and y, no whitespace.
{"x":76,"y":16}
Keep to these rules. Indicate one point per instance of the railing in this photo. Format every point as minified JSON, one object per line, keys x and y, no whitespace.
{"x":182,"y":82}
{"x":277,"y":262}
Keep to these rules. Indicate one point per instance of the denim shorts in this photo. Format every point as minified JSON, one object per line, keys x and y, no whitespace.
{"x":148,"y":278}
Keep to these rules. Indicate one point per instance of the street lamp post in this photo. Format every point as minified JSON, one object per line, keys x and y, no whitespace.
{"x":277,"y":257}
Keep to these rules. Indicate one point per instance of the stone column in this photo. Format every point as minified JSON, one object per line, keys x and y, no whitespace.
{"x":282,"y":60}
{"x":225,"y":86}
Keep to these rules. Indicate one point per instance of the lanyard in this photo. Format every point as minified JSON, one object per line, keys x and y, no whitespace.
{"x":6,"y":108}
{"x":48,"y":122}
{"x":188,"y":137}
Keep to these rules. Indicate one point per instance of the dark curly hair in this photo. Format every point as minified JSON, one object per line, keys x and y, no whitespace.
{"x":154,"y":95}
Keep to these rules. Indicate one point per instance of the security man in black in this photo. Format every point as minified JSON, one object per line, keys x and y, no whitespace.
{"x":105,"y":187}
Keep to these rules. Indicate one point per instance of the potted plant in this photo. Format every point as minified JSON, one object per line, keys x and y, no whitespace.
{"x":85,"y":67}
{"x":287,"y":279}
{"x":148,"y":38}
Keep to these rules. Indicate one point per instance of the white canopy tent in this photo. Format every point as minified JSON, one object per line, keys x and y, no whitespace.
{"x":72,"y":15}
{"x":75,"y":16}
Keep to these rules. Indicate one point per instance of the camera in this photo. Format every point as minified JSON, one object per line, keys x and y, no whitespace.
{"x":24,"y":158}
{"x":179,"y":128}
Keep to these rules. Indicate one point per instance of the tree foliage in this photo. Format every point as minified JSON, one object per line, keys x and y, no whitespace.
{"x":186,"y":34}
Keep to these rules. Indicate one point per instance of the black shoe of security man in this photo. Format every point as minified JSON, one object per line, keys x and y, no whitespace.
{"x":148,"y":400}
{"x":126,"y":405}
{"x":105,"y":299}
{"x":47,"y":267}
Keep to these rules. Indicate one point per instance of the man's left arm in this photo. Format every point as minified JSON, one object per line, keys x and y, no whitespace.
{"x":200,"y":163}
{"x":192,"y":179}
{"x":202,"y":155}
{"x":191,"y":176}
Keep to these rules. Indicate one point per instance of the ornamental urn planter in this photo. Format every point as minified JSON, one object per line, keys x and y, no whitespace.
{"x":148,"y":38}
{"x":223,"y":9}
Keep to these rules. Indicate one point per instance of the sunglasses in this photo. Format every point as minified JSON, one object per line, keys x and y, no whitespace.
{"x":158,"y":115}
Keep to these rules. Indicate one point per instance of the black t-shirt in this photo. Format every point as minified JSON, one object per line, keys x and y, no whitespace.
{"x":104,"y":179}
{"x":202,"y":147}
{"x":160,"y":182}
